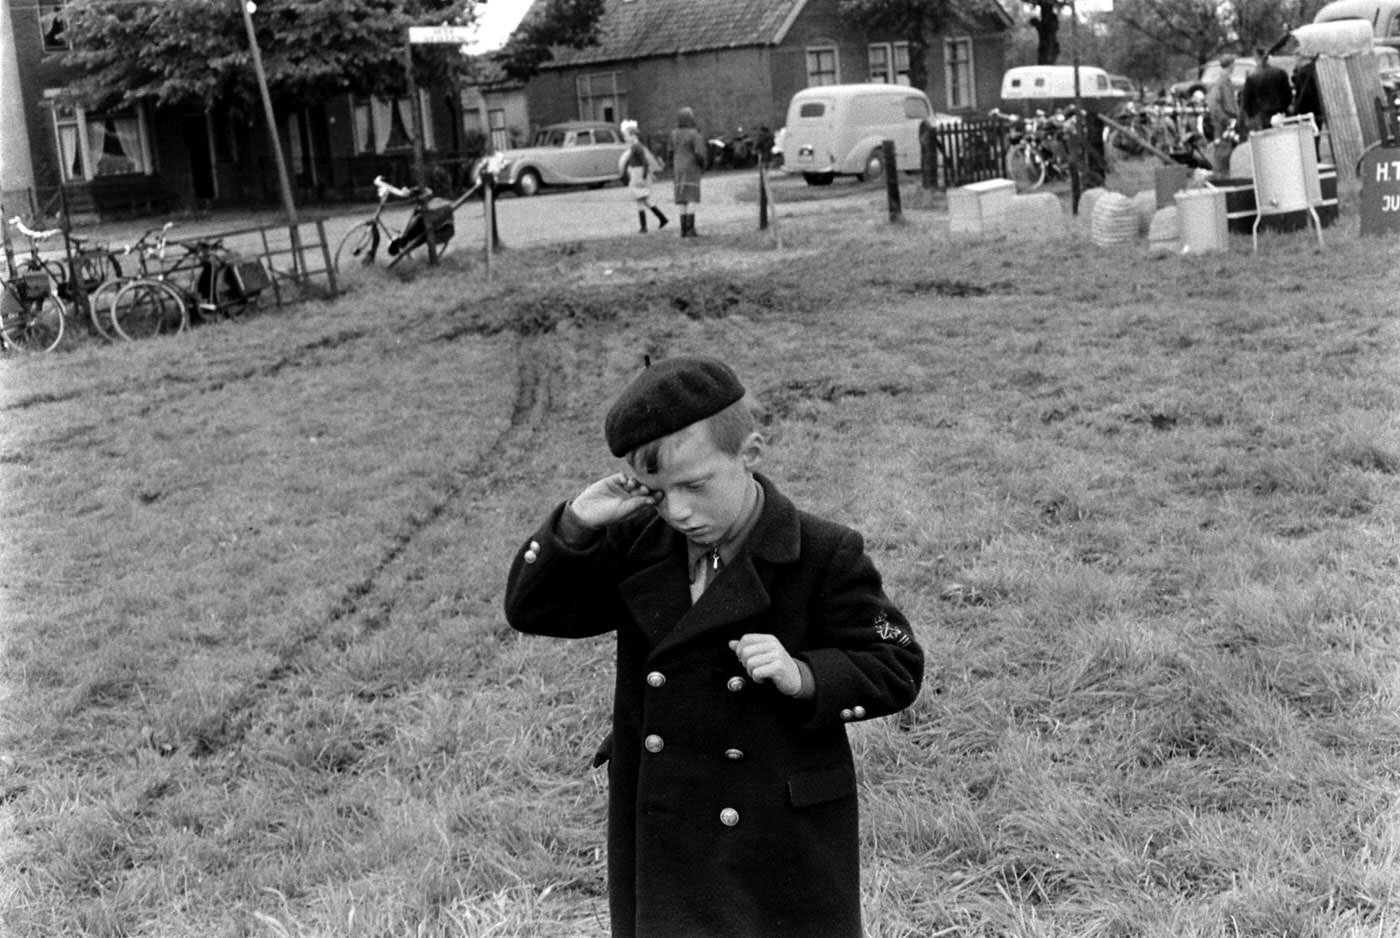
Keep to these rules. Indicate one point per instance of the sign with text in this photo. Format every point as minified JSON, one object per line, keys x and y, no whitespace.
{"x":440,"y":35}
{"x":1380,"y":191}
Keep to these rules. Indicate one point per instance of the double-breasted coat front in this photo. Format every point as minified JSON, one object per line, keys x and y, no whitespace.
{"x":732,"y":808}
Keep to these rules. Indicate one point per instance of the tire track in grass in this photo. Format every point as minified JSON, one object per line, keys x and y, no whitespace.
{"x":536,"y":372}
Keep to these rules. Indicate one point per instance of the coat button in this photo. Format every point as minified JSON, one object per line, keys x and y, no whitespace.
{"x":729,"y":817}
{"x":847,"y":715}
{"x":736,"y":684}
{"x":734,"y":755}
{"x":656,"y":679}
{"x":535,"y":546}
{"x":858,"y":713}
{"x":654,"y":743}
{"x":531,"y":556}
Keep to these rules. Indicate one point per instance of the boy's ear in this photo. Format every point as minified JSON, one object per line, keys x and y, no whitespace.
{"x":751,"y":450}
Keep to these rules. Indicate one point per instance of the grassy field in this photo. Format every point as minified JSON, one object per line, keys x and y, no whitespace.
{"x":1142,"y":511}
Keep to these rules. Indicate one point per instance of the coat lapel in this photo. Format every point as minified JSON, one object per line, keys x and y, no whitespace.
{"x":740,"y":591}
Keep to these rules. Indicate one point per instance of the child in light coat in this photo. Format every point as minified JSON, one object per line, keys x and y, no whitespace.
{"x":638,"y":166}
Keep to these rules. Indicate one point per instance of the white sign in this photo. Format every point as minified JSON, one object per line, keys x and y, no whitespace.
{"x":448,"y":35}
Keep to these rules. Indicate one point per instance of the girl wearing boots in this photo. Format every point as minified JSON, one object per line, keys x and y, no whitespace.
{"x":688,"y":155}
{"x":639,"y":167}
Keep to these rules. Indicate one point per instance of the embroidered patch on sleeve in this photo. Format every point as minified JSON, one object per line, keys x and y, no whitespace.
{"x":889,"y":632}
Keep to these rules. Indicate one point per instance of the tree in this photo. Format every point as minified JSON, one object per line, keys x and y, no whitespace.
{"x":915,"y":21}
{"x":195,"y":52}
{"x":553,"y":24}
{"x":1047,"y":29}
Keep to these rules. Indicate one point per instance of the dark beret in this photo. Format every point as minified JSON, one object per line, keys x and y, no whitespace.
{"x":671,"y":394}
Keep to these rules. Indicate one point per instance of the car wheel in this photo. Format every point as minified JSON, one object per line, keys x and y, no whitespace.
{"x":528,"y":184}
{"x":818,"y":179}
{"x":874,"y":166}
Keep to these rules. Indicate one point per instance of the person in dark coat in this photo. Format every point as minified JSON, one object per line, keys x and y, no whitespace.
{"x":749,"y":634}
{"x":1266,"y":92}
{"x":689,"y":154}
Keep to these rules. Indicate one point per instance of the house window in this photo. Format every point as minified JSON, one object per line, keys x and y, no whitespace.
{"x":383,"y":124}
{"x":51,"y":24}
{"x":601,"y":97}
{"x":889,"y":62}
{"x":100,"y":144}
{"x":957,"y":73}
{"x":822,"y":66}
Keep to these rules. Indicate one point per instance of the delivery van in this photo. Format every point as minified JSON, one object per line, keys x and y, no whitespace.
{"x":1383,"y":15}
{"x":1030,"y":88}
{"x":837,"y":130}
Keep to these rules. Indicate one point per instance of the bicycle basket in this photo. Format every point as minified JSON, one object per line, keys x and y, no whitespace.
{"x":243,"y":278}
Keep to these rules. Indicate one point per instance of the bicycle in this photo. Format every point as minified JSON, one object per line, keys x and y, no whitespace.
{"x":207,"y":282}
{"x":361,"y":243}
{"x":1037,"y":150}
{"x":85,"y":282}
{"x":31,"y":314}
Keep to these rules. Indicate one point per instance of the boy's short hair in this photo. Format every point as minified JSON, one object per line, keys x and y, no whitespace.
{"x":728,"y":430}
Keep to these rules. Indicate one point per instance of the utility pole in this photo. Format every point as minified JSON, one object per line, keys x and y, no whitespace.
{"x":247,"y":7}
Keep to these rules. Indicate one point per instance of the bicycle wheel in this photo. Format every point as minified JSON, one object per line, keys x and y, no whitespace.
{"x":99,"y":308}
{"x":1024,"y":165}
{"x":358,"y":247}
{"x":226,"y":291}
{"x":145,"y":308}
{"x":32,"y":323}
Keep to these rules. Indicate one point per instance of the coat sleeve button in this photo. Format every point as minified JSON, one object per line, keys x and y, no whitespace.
{"x":729,"y":817}
{"x":654,"y":743}
{"x":858,"y":713}
{"x":847,"y":715}
{"x":734,"y":755}
{"x":736,"y":684}
{"x":531,"y":556}
{"x":656,"y":679}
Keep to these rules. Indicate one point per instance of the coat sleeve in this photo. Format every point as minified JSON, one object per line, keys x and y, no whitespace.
{"x":558,"y":590}
{"x":868,"y":663}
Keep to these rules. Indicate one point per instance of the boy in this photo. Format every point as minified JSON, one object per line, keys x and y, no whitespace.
{"x":748,"y":635}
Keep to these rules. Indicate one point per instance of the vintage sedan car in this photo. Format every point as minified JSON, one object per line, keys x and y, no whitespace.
{"x":575,"y":153}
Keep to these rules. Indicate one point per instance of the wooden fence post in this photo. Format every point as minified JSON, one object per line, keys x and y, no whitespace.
{"x":891,"y":180}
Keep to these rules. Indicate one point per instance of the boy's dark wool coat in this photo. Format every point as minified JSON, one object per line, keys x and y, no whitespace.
{"x":732,"y":808}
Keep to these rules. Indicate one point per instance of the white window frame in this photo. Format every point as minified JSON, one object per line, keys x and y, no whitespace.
{"x":895,"y":56}
{"x":78,"y":121}
{"x":815,"y":75}
{"x":960,"y":90}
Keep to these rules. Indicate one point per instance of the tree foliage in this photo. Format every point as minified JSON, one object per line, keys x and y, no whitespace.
{"x":1201,"y":29}
{"x":547,"y":26}
{"x":195,"y":52}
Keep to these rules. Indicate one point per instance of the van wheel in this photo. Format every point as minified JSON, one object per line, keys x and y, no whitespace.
{"x":874,"y":166}
{"x":818,"y":179}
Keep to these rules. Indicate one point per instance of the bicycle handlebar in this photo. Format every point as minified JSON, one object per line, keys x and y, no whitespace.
{"x":30,"y":233}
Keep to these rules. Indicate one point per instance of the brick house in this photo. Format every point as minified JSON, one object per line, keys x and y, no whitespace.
{"x":146,"y":158}
{"x":737,"y":63}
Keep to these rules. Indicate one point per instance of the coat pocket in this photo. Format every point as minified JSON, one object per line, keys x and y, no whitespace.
{"x":825,"y":783}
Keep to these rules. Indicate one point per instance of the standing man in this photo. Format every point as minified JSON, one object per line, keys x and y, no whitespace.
{"x":1224,"y":112}
{"x":1266,"y":92}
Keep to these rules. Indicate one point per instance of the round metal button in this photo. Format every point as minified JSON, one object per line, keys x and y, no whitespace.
{"x":654,"y":743}
{"x":656,"y":679}
{"x":734,"y":755}
{"x":847,"y":715}
{"x":531,"y":556}
{"x":736,"y":684}
{"x":858,"y":713}
{"x":729,"y":817}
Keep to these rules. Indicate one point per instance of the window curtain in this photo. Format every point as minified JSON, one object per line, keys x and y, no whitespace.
{"x":128,"y":133}
{"x":364,"y":129}
{"x":72,"y":153}
{"x":379,"y":114}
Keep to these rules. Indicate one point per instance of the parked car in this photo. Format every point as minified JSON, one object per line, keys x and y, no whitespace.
{"x":838,"y":130}
{"x":575,"y":153}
